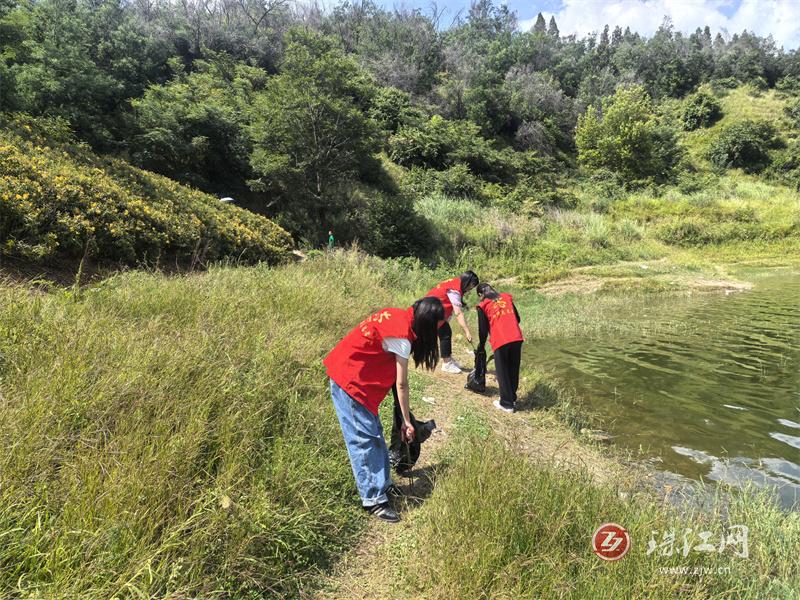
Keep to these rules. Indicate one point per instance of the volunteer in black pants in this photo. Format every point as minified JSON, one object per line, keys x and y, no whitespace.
{"x":451,"y":293}
{"x":499,"y":320}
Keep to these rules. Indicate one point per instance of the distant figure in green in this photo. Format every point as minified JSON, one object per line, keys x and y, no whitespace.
{"x":330,"y":241}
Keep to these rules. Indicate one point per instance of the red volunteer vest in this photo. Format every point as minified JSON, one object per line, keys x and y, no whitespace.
{"x":503,"y":326}
{"x":440,"y":292}
{"x":360,"y":365}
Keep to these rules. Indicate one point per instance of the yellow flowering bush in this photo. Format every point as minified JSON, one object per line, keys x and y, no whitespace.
{"x":57,"y":198}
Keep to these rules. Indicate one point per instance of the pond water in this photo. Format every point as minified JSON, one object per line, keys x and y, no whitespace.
{"x":708,"y":385}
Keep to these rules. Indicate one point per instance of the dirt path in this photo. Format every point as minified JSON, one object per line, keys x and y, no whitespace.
{"x":364,"y":572}
{"x":359,"y":574}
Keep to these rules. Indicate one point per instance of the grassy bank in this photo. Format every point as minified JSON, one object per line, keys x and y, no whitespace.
{"x":500,"y":525}
{"x":173,"y":436}
{"x":732,"y":218}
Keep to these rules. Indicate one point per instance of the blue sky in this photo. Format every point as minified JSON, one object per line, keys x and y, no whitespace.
{"x":780,"y":18}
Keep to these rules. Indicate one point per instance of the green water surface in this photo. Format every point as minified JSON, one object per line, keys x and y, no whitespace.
{"x":706,"y":385}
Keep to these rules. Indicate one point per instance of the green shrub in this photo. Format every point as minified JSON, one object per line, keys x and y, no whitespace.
{"x":788,"y":85}
{"x":440,"y":144}
{"x":757,"y":85}
{"x":534,"y":194}
{"x":725,"y":83}
{"x":684,"y":232}
{"x":690,"y":182}
{"x":792,"y":110}
{"x":456,"y":182}
{"x":393,"y":227}
{"x":433,"y":143}
{"x":743,"y":145}
{"x":786,"y":165}
{"x":700,"y":110}
{"x":63,"y":201}
{"x":603,"y":188}
{"x":492,"y":193}
{"x":627,"y":138}
{"x":521,"y":199}
{"x":459,"y":182}
{"x":419,"y":181}
{"x":392,"y":108}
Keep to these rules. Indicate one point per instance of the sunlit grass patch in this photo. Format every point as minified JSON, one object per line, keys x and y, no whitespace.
{"x":175,"y":435}
{"x":738,"y":105}
{"x":499,"y":526}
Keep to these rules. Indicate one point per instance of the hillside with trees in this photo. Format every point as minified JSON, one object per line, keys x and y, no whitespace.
{"x":348,"y":119}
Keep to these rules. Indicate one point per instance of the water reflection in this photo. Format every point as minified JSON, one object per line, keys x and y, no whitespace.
{"x":782,"y":475}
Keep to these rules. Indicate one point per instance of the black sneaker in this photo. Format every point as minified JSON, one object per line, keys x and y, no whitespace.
{"x":383,"y":512}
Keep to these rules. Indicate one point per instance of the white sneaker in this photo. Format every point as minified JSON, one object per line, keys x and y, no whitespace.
{"x":497,"y":404}
{"x":451,"y":367}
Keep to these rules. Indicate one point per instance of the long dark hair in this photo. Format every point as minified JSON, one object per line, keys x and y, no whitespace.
{"x":425,"y":348}
{"x":468,"y":281}
{"x":487,"y":291}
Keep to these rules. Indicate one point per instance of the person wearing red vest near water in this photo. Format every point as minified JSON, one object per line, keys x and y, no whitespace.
{"x":451,"y":293}
{"x":498,"y":317}
{"x":362,"y":368}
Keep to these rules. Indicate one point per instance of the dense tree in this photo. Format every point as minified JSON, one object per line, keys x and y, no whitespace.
{"x":86,"y":59}
{"x":625,"y":137}
{"x":748,"y":57}
{"x":193,"y":128}
{"x":401,"y":49}
{"x":217,"y":93}
{"x":552,"y":28}
{"x":540,"y":26}
{"x":616,"y":36}
{"x":249,"y":30}
{"x":83,"y":60}
{"x":310,"y":131}
{"x":477,"y":56}
{"x":661,"y":64}
{"x":535,"y":97}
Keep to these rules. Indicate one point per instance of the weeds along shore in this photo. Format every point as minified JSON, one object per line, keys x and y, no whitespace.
{"x":174,"y":436}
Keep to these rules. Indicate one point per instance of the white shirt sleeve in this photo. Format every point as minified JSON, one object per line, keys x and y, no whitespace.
{"x":454,"y":297}
{"x":399,"y":346}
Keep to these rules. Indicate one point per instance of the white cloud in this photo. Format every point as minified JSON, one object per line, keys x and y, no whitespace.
{"x":781,"y":18}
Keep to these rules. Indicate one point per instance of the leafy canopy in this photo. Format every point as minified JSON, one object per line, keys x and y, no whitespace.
{"x":626,"y":137}
{"x":310,"y":130}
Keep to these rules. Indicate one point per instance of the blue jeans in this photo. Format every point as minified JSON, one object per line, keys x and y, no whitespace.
{"x":363,"y":436}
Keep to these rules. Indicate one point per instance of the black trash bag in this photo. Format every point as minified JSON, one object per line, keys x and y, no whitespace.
{"x":476,"y":380}
{"x":404,"y":455}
